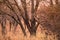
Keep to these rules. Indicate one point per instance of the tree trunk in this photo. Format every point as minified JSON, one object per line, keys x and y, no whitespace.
{"x":33,"y":27}
{"x":33,"y":31}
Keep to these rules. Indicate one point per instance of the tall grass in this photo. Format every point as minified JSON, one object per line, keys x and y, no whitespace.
{"x":18,"y":35}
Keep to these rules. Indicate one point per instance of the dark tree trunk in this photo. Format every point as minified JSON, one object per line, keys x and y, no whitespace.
{"x":33,"y":31}
{"x":33,"y":27}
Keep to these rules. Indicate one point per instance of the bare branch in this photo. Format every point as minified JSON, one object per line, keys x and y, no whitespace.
{"x":15,"y":20}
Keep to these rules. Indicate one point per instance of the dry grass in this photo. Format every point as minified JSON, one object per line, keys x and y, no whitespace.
{"x":18,"y":35}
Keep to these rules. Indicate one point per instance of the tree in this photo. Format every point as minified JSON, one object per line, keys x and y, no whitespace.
{"x":16,"y":18}
{"x":15,"y":14}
